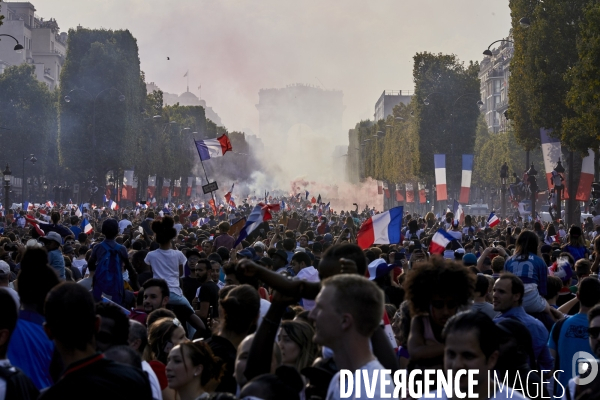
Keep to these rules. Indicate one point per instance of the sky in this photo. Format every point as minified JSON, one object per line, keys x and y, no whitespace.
{"x":234,"y":48}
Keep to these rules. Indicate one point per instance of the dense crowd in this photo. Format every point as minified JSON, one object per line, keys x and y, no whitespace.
{"x":162,"y":304}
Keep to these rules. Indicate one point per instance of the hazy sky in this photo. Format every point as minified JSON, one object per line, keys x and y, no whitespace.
{"x":234,"y":48}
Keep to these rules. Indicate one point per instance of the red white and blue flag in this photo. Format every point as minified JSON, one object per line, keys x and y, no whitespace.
{"x":493,"y":220}
{"x":211,"y":148}
{"x":439,"y":241}
{"x":440,"y":176}
{"x":383,"y":228}
{"x":86,"y":227}
{"x":467,"y":171}
{"x":260,"y":214}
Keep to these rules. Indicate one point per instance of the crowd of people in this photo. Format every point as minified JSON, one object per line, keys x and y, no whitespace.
{"x":162,"y":304}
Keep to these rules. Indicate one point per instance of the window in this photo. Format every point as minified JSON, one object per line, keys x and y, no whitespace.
{"x":497,"y":86}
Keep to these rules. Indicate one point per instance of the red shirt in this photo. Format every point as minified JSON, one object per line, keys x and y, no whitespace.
{"x":161,"y":373}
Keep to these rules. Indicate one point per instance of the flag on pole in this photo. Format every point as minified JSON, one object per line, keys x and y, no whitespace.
{"x":113,"y":205}
{"x":211,"y":148}
{"x":383,"y":228}
{"x":586,"y":178}
{"x":467,"y":171}
{"x":493,"y":220}
{"x":440,"y":176}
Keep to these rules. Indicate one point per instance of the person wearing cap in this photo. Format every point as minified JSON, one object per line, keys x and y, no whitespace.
{"x":5,"y":280}
{"x":279,"y":260}
{"x":469,"y":260}
{"x":52,"y":242}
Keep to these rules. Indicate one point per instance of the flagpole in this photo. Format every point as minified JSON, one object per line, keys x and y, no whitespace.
{"x":206,"y":175}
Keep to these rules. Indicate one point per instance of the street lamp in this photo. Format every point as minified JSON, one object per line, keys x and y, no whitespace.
{"x":7,"y":177}
{"x":525,"y":22}
{"x":533,"y":187}
{"x":19,"y":47}
{"x":33,"y":160}
{"x":67,"y":99}
{"x":45,"y":187}
{"x":488,"y":52}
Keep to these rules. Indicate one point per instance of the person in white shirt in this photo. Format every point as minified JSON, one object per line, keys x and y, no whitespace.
{"x":471,"y":342}
{"x":348,"y":310}
{"x":123,"y":224}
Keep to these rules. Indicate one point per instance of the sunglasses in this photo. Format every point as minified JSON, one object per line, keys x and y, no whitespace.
{"x":594,"y":332}
{"x":439,"y":304}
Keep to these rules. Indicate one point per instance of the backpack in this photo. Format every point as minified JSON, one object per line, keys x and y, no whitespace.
{"x":108,"y":278}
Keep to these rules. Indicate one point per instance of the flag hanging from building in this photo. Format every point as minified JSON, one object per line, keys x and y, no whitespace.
{"x":127,"y":191}
{"x":440,"y":176}
{"x":386,"y":190}
{"x":379,"y":187}
{"x":166,"y":187}
{"x":151,"y":186}
{"x":211,"y":148}
{"x":467,"y":171}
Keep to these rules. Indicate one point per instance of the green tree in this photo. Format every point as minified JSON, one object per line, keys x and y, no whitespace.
{"x":448,"y":123}
{"x":98,"y":132}
{"x":28,"y":116}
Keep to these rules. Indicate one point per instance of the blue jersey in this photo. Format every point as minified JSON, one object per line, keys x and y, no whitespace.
{"x":531,"y":269}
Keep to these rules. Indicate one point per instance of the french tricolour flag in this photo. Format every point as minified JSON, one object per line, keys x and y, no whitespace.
{"x":439,"y":241}
{"x":382,"y":228}
{"x":260,"y":214}
{"x":440,"y":176}
{"x":86,"y":227}
{"x":467,"y":171}
{"x":493,"y":220}
{"x":211,"y":148}
{"x":113,"y":205}
{"x":587,"y":177}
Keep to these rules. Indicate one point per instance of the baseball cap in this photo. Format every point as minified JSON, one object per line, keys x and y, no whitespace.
{"x":281,"y":254}
{"x":4,"y":268}
{"x":52,"y":236}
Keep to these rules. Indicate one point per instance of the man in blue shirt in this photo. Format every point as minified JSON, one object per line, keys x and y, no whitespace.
{"x":573,"y":332}
{"x":508,"y":300}
{"x":52,"y":241}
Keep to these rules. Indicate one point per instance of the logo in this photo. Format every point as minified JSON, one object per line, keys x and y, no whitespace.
{"x":585,"y":365}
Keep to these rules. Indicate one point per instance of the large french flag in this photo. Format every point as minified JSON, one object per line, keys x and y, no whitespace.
{"x":211,"y":148}
{"x":399,"y":195}
{"x":410,"y":193}
{"x":386,"y":190}
{"x":166,"y":187}
{"x":177,"y":187}
{"x":587,"y":177}
{"x":439,"y":161}
{"x":151,"y":186}
{"x":384,"y":228}
{"x":422,"y":196}
{"x":260,"y":213}
{"x":493,"y":220}
{"x":188,"y":189}
{"x":551,"y":153}
{"x":439,"y":241}
{"x":127,"y":191}
{"x":379,"y":187}
{"x":467,"y":171}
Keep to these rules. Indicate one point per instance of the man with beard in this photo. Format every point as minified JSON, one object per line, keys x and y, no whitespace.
{"x":206,"y":294}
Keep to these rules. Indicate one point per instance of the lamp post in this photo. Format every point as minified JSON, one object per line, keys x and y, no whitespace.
{"x":488,"y":52}
{"x":557,"y":180}
{"x":533,"y":187}
{"x":33,"y":160}
{"x":7,"y":177}
{"x":503,"y":179}
{"x":67,"y":99}
{"x":492,"y":193}
{"x":45,"y":187}
{"x":19,"y":47}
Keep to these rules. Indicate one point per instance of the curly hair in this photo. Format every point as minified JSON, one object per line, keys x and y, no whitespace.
{"x":164,"y":229}
{"x":438,"y":277}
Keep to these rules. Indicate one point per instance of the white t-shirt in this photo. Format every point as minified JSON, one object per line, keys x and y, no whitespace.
{"x":309,"y":274}
{"x":124,"y":223}
{"x":333,"y":392}
{"x":178,"y":227}
{"x":79,"y":264}
{"x":154,"y":384}
{"x":165,"y":265}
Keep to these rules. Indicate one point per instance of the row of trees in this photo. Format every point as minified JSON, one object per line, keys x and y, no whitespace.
{"x":102,"y":120}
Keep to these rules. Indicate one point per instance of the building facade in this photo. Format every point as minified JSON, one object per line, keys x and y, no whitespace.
{"x":388,"y":100}
{"x":44,"y":45}
{"x":493,"y":76}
